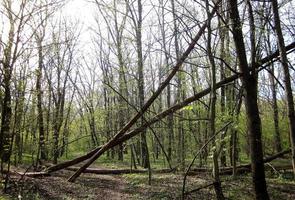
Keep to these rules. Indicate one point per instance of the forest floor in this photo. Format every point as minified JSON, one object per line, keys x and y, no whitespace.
{"x":135,"y":186}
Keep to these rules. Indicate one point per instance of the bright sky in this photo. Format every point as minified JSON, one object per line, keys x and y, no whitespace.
{"x":82,"y":11}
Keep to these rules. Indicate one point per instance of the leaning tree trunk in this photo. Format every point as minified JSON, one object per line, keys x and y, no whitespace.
{"x":287,"y":78}
{"x":95,"y":152}
{"x":121,"y":136}
{"x":145,"y":107}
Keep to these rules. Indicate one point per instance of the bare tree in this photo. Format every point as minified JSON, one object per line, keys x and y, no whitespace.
{"x":287,"y":78}
{"x":249,"y":80}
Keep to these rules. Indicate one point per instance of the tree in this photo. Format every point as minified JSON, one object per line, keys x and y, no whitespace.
{"x":137,"y":20}
{"x":59,"y":65}
{"x":39,"y":36}
{"x":7,"y":64}
{"x":249,"y":80}
{"x":287,"y":78}
{"x":212,"y":111}
{"x":116,"y":139}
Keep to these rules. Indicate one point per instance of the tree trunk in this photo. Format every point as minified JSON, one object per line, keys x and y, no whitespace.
{"x":170,"y":124}
{"x":121,"y":136}
{"x":143,"y":143}
{"x":287,"y":78}
{"x":40,"y":121}
{"x":5,"y":132}
{"x":212,"y":111}
{"x":162,"y":115}
{"x":253,"y":119}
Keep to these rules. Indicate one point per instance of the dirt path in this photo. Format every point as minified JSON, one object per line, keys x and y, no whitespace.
{"x":87,"y":187}
{"x":57,"y":187}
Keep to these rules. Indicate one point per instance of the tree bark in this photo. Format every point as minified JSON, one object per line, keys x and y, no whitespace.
{"x":253,"y":119}
{"x":170,"y":123}
{"x":144,"y":148}
{"x":287,"y":78}
{"x":146,"y":105}
{"x":212,"y":111}
{"x":166,"y":112}
{"x":43,"y":154}
{"x":5,"y":132}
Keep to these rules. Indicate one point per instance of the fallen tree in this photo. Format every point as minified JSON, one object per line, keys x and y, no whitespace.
{"x":199,"y":188}
{"x":176,"y":107}
{"x":240,"y":169}
{"x":224,"y":170}
{"x":114,"y":141}
{"x":120,"y":171}
{"x":98,"y":151}
{"x":247,"y":167}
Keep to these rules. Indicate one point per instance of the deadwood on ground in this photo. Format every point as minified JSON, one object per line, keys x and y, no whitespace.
{"x":224,"y":170}
{"x":176,"y":107}
{"x":261,"y":65}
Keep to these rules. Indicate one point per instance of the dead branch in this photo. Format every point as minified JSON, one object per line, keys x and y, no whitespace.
{"x":246,"y":167}
{"x":119,"y":171}
{"x":163,"y":114}
{"x":199,"y":188}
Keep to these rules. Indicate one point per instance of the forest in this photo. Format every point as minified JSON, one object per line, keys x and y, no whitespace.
{"x":147,"y":99}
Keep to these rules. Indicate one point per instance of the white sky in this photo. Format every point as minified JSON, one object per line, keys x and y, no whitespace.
{"x":83,"y":12}
{"x":81,"y":9}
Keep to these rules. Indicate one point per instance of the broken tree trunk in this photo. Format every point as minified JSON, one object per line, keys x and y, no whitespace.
{"x":149,"y":102}
{"x":225,"y":170}
{"x":170,"y":110}
{"x":243,"y":170}
{"x":119,"y":171}
{"x":247,"y":167}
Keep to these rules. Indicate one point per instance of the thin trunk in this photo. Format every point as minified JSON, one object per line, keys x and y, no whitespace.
{"x":170,"y":124}
{"x":287,"y":78}
{"x":116,"y":139}
{"x":277,"y":137}
{"x":40,"y":121}
{"x":144,"y":149}
{"x":19,"y":117}
{"x":212,"y":111}
{"x":180,"y":93}
{"x":235,"y":136}
{"x":222,"y":33}
{"x":158,"y":117}
{"x":122,"y":85}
